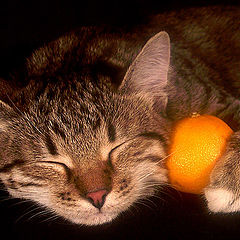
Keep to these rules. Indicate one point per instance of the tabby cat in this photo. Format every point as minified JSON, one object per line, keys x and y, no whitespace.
{"x":85,"y":130}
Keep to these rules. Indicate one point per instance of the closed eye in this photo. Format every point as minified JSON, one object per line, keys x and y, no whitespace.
{"x":146,"y":135}
{"x":56,"y":164}
{"x":111,"y":152}
{"x":60,"y":159}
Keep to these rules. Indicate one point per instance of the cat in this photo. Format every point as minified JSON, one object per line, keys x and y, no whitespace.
{"x":84,"y":131}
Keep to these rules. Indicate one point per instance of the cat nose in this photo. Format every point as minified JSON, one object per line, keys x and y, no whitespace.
{"x":97,"y":198}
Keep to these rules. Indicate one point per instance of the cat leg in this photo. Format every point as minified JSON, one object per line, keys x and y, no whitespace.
{"x":223,"y":192}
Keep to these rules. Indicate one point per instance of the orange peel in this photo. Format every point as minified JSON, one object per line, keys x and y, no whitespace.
{"x":197,"y":143}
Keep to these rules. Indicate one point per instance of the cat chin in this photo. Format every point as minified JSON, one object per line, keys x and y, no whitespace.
{"x":95,"y":219}
{"x":89,"y":216}
{"x":222,"y":200}
{"x":83,"y":213}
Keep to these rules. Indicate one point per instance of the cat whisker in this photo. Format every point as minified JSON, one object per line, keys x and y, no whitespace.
{"x":142,"y":202}
{"x":153,"y":185}
{"x":33,"y":208}
{"x":8,"y":199}
{"x":172,"y":196}
{"x":150,"y":202}
{"x":162,"y":159}
{"x":21,"y":202}
{"x":159,"y":197}
{"x":142,"y":178}
{"x":5,"y":199}
{"x":133,"y":209}
{"x":41,"y":213}
{"x":51,"y":218}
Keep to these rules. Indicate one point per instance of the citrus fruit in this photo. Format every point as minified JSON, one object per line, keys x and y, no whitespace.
{"x":197,"y":142}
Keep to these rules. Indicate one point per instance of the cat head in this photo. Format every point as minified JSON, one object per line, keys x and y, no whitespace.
{"x":88,"y":155}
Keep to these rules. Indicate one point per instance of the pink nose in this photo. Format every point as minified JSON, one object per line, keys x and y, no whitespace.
{"x":97,"y":198}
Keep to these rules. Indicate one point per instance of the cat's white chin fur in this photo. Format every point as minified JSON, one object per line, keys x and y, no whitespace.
{"x":97,"y":219}
{"x":222,"y":200}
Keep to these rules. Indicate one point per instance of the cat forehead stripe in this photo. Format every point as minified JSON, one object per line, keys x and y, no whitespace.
{"x":111,"y":132}
{"x":51,"y":146}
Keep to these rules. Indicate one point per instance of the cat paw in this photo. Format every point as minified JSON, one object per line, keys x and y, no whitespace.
{"x":222,"y":200}
{"x":223,"y":192}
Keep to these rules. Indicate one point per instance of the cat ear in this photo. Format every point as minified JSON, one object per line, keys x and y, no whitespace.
{"x":148,"y":72}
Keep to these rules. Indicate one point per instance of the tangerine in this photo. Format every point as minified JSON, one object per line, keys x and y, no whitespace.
{"x":197,"y":143}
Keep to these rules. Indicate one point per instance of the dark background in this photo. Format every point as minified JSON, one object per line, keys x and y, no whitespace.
{"x":172,"y":216}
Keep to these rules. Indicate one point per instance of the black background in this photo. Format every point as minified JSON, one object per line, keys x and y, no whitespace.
{"x":172,"y":216}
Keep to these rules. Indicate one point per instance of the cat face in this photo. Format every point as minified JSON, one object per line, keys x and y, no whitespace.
{"x":119,"y":159}
{"x":86,"y":159}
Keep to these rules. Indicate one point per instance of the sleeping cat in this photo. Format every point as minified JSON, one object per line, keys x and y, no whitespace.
{"x":85,"y":130}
